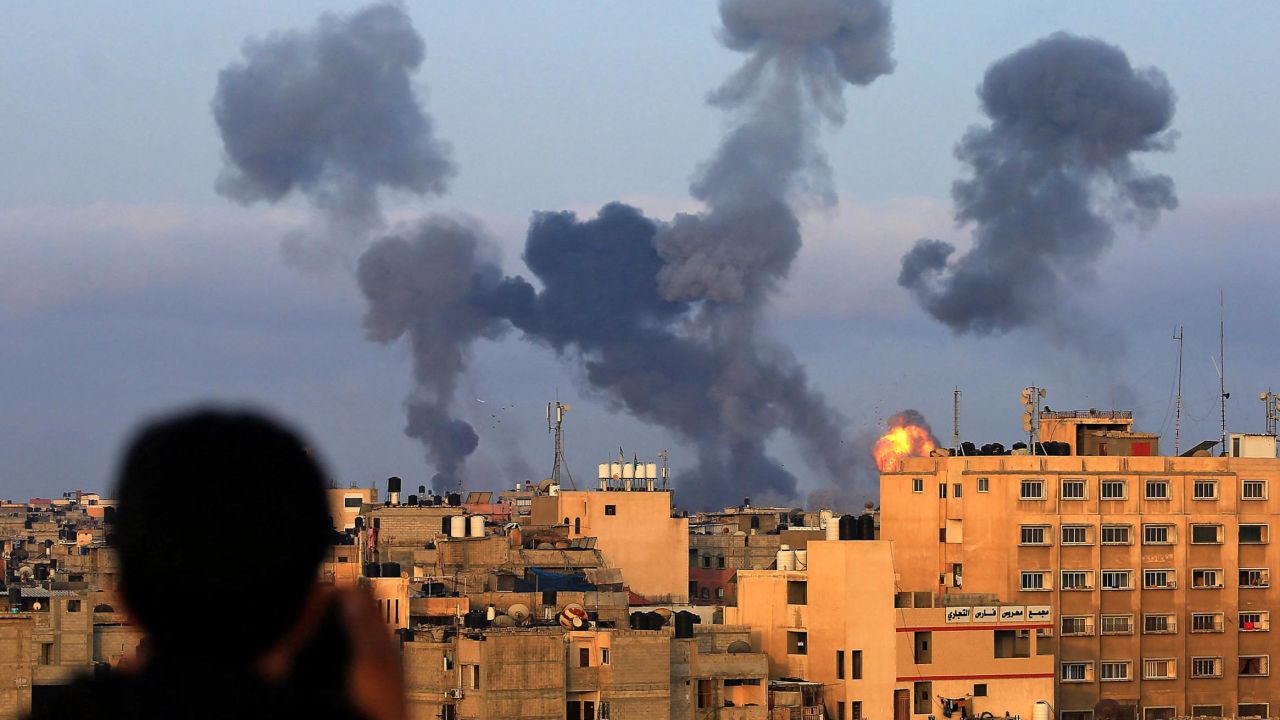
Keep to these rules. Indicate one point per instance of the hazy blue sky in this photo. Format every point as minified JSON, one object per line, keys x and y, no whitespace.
{"x":127,"y":285}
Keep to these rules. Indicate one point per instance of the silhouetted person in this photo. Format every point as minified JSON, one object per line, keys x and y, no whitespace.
{"x":221,"y":527}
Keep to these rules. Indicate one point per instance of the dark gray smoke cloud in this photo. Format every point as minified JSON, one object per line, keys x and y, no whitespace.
{"x":1050,"y":175}
{"x":330,"y":113}
{"x":436,"y":285}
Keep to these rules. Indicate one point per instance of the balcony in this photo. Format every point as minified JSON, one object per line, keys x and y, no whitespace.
{"x":583,"y":679}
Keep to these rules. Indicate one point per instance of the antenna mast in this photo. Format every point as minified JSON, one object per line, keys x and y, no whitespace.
{"x":955,"y":419}
{"x":1272,"y":403}
{"x":555,"y":424}
{"x":1177,"y":412}
{"x":1222,"y":368}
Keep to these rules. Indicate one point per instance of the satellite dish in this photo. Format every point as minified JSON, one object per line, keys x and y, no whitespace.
{"x":519,"y":612}
{"x":738,"y":646}
{"x":36,"y":605}
{"x":573,"y":617}
{"x":665,"y":613}
{"x":504,"y":621}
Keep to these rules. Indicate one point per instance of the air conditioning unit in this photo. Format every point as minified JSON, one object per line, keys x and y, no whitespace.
{"x":455,"y":694}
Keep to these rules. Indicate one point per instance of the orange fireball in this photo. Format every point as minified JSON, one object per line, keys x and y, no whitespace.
{"x":900,"y":442}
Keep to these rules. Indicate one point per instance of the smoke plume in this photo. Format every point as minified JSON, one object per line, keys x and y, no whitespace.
{"x":330,"y":113}
{"x":435,"y":284}
{"x":1051,"y":175}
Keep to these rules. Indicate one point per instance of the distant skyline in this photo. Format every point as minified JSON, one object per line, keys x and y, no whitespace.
{"x":128,"y":286}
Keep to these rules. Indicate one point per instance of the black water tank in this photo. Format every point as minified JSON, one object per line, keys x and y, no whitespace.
{"x":866,"y":527}
{"x":390,"y":569}
{"x":636,"y":621}
{"x":444,"y":524}
{"x":684,"y":622}
{"x":359,"y":523}
{"x":372,"y":570}
{"x":654,"y":621}
{"x":393,"y":484}
{"x":455,"y":500}
{"x":422,"y":490}
{"x":848,"y":527}
{"x":108,"y":514}
{"x":15,"y":597}
{"x":413,"y":499}
{"x":968,"y":448}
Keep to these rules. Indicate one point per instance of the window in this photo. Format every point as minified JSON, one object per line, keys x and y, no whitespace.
{"x":1113,"y":490}
{"x":1117,"y":624}
{"x":1253,"y":490}
{"x":352,"y":502}
{"x":855,"y":664}
{"x":1159,"y":669}
{"x":706,"y":693}
{"x":922,"y":652}
{"x":797,"y":592}
{"x":1259,"y":621}
{"x":472,"y":673}
{"x":584,"y":657}
{"x":73,"y":606}
{"x":1157,"y":489}
{"x":1255,"y":665}
{"x":1159,"y":579}
{"x":1157,"y":534}
{"x":855,"y":710}
{"x":1032,"y":490}
{"x":1073,"y":489}
{"x":1077,"y":672}
{"x":1253,"y":710}
{"x":1159,"y":624}
{"x":610,"y":509}
{"x":839,"y":664}
{"x":1206,"y":534}
{"x":1115,"y":670}
{"x":917,"y":485}
{"x":1077,"y":625}
{"x":984,"y":485}
{"x":1254,"y":534}
{"x":720,"y":593}
{"x":1034,"y":534}
{"x":1116,"y":535}
{"x":1206,"y":578}
{"x":957,"y":490}
{"x":840,"y":710}
{"x":1255,"y":577}
{"x":604,"y":656}
{"x":1033,"y":580}
{"x":1117,"y":579}
{"x":1204,"y":489}
{"x":1206,"y":622}
{"x":942,"y":490}
{"x":1075,"y":534}
{"x":797,"y":643}
{"x":706,"y":561}
{"x":923,"y":693}
{"x":979,"y":689}
{"x":1044,"y":641}
{"x":720,"y":561}
{"x":1206,"y":711}
{"x":46,"y":654}
{"x":1077,"y":580}
{"x":1158,"y":713}
{"x":1013,"y":643}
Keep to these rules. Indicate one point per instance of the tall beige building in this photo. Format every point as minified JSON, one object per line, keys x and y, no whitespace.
{"x":1158,"y":569}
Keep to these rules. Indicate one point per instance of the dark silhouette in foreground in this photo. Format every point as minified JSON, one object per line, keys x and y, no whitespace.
{"x":221,"y":527}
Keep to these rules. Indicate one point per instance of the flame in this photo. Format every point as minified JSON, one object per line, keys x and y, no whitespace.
{"x":900,"y":442}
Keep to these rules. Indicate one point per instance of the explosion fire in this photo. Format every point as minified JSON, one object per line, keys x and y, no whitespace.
{"x":908,"y":436}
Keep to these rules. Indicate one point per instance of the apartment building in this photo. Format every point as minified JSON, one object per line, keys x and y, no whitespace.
{"x":1158,"y":570}
{"x":875,"y":653}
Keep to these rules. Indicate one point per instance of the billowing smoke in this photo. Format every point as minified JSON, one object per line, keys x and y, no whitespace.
{"x":1050,"y":175}
{"x":434,"y":284}
{"x":330,"y":113}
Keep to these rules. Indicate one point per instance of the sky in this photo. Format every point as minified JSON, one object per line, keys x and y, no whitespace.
{"x":129,"y":287}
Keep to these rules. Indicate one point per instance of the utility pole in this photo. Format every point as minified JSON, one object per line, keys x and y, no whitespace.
{"x":1177,"y":413}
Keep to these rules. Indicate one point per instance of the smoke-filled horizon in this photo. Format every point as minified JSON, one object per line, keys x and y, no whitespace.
{"x":663,"y":318}
{"x":1050,"y":177}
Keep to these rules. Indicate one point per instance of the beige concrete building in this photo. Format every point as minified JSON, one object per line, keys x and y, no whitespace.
{"x":1157,"y":569}
{"x":878,"y":654}
{"x":634,"y":530}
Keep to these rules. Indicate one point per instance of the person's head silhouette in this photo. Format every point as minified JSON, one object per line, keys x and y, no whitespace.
{"x":222,"y":525}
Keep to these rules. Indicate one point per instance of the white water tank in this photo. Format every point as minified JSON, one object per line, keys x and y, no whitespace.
{"x":628,"y":471}
{"x":651,"y":471}
{"x":801,"y":559}
{"x":1041,"y":711}
{"x":476,"y":524}
{"x":604,"y":472}
{"x":458,"y":526}
{"x":786,"y":558}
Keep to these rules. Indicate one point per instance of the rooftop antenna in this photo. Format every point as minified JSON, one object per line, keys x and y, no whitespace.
{"x":955,"y":419}
{"x":1177,"y":412}
{"x":663,"y":454}
{"x":1222,"y":368}
{"x":1271,"y":402}
{"x":1031,"y":397}
{"x":555,"y":424}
